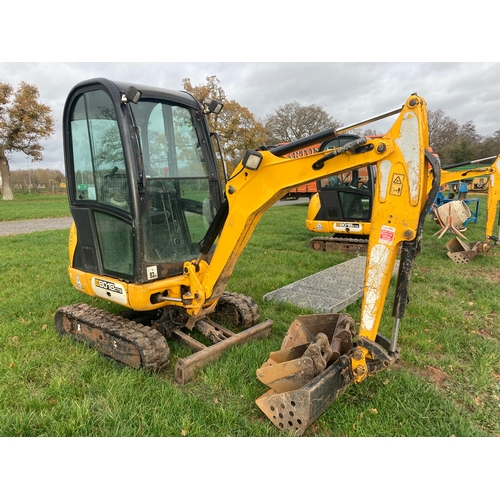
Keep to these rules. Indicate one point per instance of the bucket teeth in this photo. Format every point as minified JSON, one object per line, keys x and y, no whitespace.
{"x":287,"y":370}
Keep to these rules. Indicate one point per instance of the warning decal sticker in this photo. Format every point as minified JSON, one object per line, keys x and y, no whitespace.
{"x":397,"y":184}
{"x":78,"y":282}
{"x":152,"y":272}
{"x":386,"y":234}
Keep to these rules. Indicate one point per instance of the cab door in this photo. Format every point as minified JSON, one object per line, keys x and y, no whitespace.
{"x":99,"y":185}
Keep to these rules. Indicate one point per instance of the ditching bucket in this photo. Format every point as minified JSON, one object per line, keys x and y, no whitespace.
{"x":462,"y":253}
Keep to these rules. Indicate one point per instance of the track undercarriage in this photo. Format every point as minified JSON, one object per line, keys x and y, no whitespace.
{"x":339,"y":243}
{"x":139,"y":340}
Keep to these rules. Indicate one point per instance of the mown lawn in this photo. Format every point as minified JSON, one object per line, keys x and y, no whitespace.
{"x":447,"y":383}
{"x":34,"y":206}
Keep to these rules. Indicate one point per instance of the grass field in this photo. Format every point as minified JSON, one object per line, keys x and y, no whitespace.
{"x":34,"y":206}
{"x":446,"y":384}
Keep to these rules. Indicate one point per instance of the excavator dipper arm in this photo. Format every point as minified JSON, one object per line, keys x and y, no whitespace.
{"x":405,"y":169}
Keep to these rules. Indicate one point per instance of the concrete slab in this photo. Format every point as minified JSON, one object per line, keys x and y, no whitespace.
{"x":328,"y":291}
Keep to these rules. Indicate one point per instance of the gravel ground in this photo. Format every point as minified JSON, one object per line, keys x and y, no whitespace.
{"x":31,"y":226}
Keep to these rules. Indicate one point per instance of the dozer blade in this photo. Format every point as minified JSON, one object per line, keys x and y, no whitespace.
{"x":462,"y":253}
{"x":294,"y":411}
{"x":185,"y":367}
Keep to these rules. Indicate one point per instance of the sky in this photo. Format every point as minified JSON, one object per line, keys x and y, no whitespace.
{"x":355,"y":66}
{"x":349,"y":91}
{"x":352,"y":66}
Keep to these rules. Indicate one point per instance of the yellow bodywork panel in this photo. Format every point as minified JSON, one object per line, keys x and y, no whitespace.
{"x":355,"y":228}
{"x":493,"y":197}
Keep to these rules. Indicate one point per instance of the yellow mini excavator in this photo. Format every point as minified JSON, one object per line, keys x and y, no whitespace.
{"x":154,"y":232}
{"x":341,"y":209}
{"x":342,"y":205}
{"x":459,"y":250}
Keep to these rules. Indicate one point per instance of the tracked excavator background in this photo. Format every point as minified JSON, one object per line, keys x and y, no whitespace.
{"x":459,"y":249}
{"x":154,"y":233}
{"x":341,"y":208}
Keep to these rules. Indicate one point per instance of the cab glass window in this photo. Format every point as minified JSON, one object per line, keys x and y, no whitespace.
{"x":177,"y":184}
{"x":99,"y":165}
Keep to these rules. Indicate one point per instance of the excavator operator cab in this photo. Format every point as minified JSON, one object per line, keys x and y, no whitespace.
{"x":143,"y":180}
{"x":346,"y":196}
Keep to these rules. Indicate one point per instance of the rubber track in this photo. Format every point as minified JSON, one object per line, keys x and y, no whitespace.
{"x":339,"y":241}
{"x":150,"y":344}
{"x":246,"y":307}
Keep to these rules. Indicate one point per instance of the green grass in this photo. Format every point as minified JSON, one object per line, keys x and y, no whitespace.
{"x":34,"y":206}
{"x":447,"y":383}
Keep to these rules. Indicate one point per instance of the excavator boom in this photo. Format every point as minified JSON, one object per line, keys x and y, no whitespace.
{"x":322,"y":355}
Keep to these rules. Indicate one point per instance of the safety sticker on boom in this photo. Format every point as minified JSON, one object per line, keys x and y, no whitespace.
{"x":397,"y":184}
{"x":386,"y":234}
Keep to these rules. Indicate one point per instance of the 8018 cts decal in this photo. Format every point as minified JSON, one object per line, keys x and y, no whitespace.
{"x":109,"y":290}
{"x":108,"y":285}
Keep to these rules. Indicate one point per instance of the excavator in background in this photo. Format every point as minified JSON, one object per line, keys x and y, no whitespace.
{"x":312,"y":188}
{"x":460,"y":251}
{"x":342,"y":206}
{"x":154,"y":232}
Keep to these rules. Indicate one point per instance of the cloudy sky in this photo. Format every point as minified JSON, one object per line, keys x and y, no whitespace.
{"x":352,"y":89}
{"x":350,"y":92}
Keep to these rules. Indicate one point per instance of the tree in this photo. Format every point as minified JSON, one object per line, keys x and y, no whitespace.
{"x":467,"y":146}
{"x":490,"y":146}
{"x":443,"y":130}
{"x":236,"y":126}
{"x":463,"y":145}
{"x":456,"y":143}
{"x":39,"y":176}
{"x":293,"y":121}
{"x":366,"y":132}
{"x":24,"y":122}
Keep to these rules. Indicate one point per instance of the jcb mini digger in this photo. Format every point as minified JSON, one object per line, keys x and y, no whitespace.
{"x":154,"y":232}
{"x":340,"y":211}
